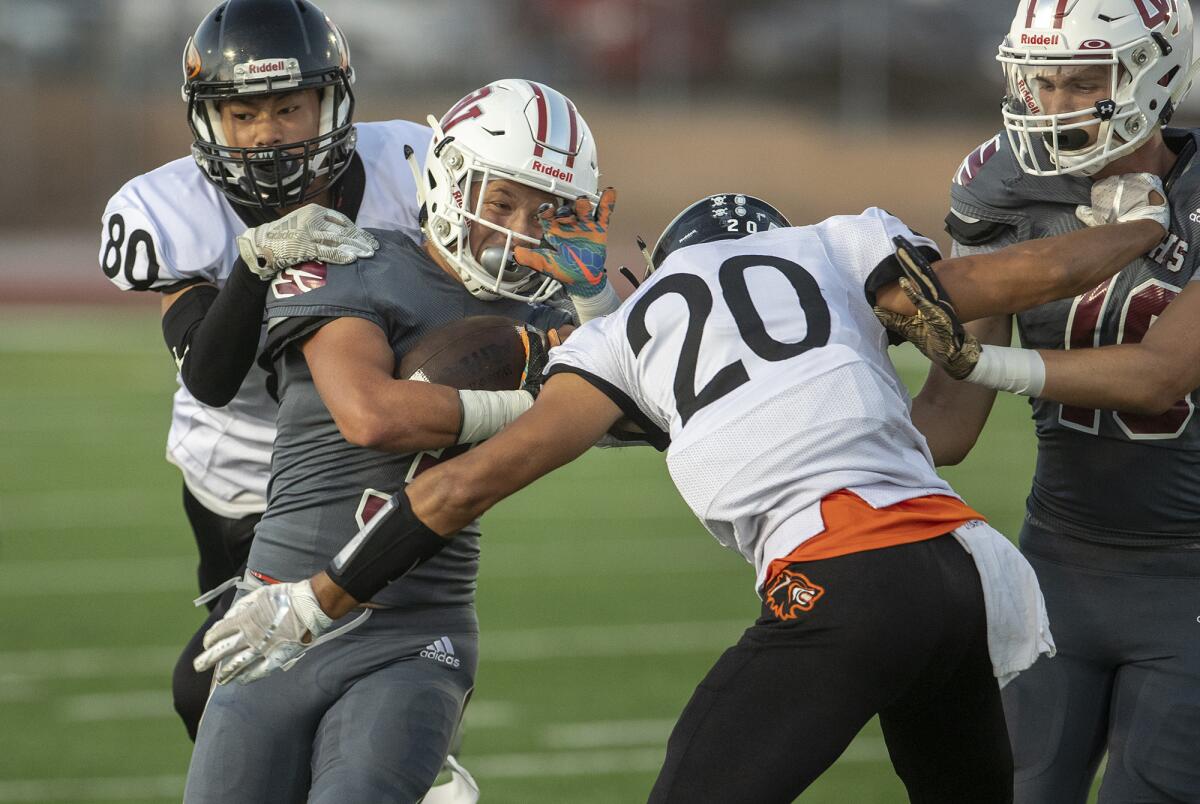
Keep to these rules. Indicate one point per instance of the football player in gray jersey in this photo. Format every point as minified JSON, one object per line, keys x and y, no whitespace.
{"x":371,"y":717}
{"x":1113,"y":516}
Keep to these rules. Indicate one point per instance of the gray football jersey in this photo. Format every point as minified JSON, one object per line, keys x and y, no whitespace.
{"x":322,"y":487}
{"x":1101,"y":475}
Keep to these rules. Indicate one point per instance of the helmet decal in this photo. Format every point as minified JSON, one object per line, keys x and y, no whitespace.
{"x":726,"y":216}
{"x":191,"y":60}
{"x":1155,"y":12}
{"x":465,"y":109}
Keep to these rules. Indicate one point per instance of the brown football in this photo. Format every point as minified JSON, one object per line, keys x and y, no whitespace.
{"x":480,"y":353}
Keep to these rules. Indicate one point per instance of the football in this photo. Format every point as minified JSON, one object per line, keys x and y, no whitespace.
{"x":480,"y":353}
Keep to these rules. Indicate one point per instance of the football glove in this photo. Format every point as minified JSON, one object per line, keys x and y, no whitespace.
{"x":576,"y":244}
{"x":310,"y":234}
{"x":262,"y":632}
{"x":935,"y":329}
{"x":536,"y":357}
{"x":1130,"y":197}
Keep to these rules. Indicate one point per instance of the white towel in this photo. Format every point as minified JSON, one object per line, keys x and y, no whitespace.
{"x":1018,"y":628}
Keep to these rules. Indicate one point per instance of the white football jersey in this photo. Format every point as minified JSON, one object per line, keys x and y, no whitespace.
{"x":169,"y":228}
{"x":762,"y":362}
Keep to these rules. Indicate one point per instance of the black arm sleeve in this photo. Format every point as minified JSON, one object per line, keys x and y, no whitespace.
{"x":393,"y":543}
{"x":214,"y":335}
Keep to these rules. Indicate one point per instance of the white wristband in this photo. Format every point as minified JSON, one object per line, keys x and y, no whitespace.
{"x":598,"y":306}
{"x":308,"y":609}
{"x":484,"y":413}
{"x":1019,"y":371}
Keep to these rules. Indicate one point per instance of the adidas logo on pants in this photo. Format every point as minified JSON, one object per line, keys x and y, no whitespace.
{"x":441,"y":651}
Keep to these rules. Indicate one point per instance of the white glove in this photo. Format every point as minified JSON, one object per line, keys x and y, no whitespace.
{"x":1130,"y":197}
{"x":311,"y":233}
{"x":262,"y":632}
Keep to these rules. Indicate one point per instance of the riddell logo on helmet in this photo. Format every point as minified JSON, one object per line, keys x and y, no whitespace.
{"x":1045,"y":40}
{"x":553,"y":171}
{"x":1027,"y":96}
{"x":267,"y":68}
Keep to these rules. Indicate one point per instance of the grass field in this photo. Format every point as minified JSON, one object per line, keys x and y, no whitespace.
{"x":599,"y":614}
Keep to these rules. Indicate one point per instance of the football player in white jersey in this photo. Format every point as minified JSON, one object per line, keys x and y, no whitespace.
{"x":752,"y":354}
{"x":270,"y":104}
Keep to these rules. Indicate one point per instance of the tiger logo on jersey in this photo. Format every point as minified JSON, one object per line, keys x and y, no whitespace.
{"x":791,"y":593}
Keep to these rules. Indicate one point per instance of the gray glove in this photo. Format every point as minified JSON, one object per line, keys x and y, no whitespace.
{"x":310,"y":234}
{"x":1130,"y":197}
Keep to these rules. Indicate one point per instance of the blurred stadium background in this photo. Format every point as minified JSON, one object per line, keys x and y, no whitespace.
{"x":600,"y":612}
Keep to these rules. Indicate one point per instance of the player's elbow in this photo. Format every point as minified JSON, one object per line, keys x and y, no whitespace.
{"x":951,"y":454}
{"x":1157,"y":384}
{"x":1158,"y":394}
{"x":365,"y":426}
{"x":205,"y":390}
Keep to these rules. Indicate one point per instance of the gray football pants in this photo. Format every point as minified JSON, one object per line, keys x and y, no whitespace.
{"x":1126,"y":679}
{"x":368,"y":716}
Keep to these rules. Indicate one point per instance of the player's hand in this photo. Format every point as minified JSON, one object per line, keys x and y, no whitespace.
{"x":1130,"y":197}
{"x":262,"y":632}
{"x":937,"y":335}
{"x":576,"y":238}
{"x":310,"y":234}
{"x":537,"y":348}
{"x":935,"y":329}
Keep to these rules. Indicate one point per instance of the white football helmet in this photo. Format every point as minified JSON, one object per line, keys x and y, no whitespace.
{"x":511,"y":129}
{"x":1146,"y":43}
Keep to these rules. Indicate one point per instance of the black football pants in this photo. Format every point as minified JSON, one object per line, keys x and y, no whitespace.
{"x":224,"y":545}
{"x":899,"y":632}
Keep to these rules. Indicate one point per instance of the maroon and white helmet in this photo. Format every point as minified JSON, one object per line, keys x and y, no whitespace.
{"x":511,"y":129}
{"x":1146,"y":43}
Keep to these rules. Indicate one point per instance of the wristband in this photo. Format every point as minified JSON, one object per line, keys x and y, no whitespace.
{"x":597,"y":305}
{"x":308,"y":610}
{"x":1004,"y":368}
{"x":394,"y":542}
{"x":485,"y":413}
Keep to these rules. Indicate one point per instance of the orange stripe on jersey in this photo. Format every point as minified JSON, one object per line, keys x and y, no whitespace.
{"x":853,"y":526}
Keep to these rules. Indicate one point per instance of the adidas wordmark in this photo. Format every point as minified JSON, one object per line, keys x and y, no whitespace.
{"x":441,"y":651}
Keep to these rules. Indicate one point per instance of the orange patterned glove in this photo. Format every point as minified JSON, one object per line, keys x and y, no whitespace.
{"x":576,"y":238}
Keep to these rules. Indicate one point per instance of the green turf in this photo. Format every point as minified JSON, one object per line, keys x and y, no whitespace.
{"x":599,"y":614}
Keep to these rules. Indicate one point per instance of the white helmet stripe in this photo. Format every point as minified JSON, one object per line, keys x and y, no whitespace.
{"x":1039,"y":11}
{"x":556,"y":126}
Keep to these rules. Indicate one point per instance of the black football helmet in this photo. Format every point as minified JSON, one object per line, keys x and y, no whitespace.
{"x":255,"y":47}
{"x":718,"y":217}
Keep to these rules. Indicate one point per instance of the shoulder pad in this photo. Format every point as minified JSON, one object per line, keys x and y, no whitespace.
{"x":166,"y":229}
{"x":973,"y":164}
{"x":382,"y":143}
{"x":390,"y":200}
{"x":969,"y":231}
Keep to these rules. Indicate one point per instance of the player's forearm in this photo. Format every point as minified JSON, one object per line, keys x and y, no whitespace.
{"x":1032,"y":273}
{"x":1130,"y":377}
{"x":214,"y":338}
{"x":397,"y":415}
{"x":952,"y":414}
{"x":393,"y":543}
